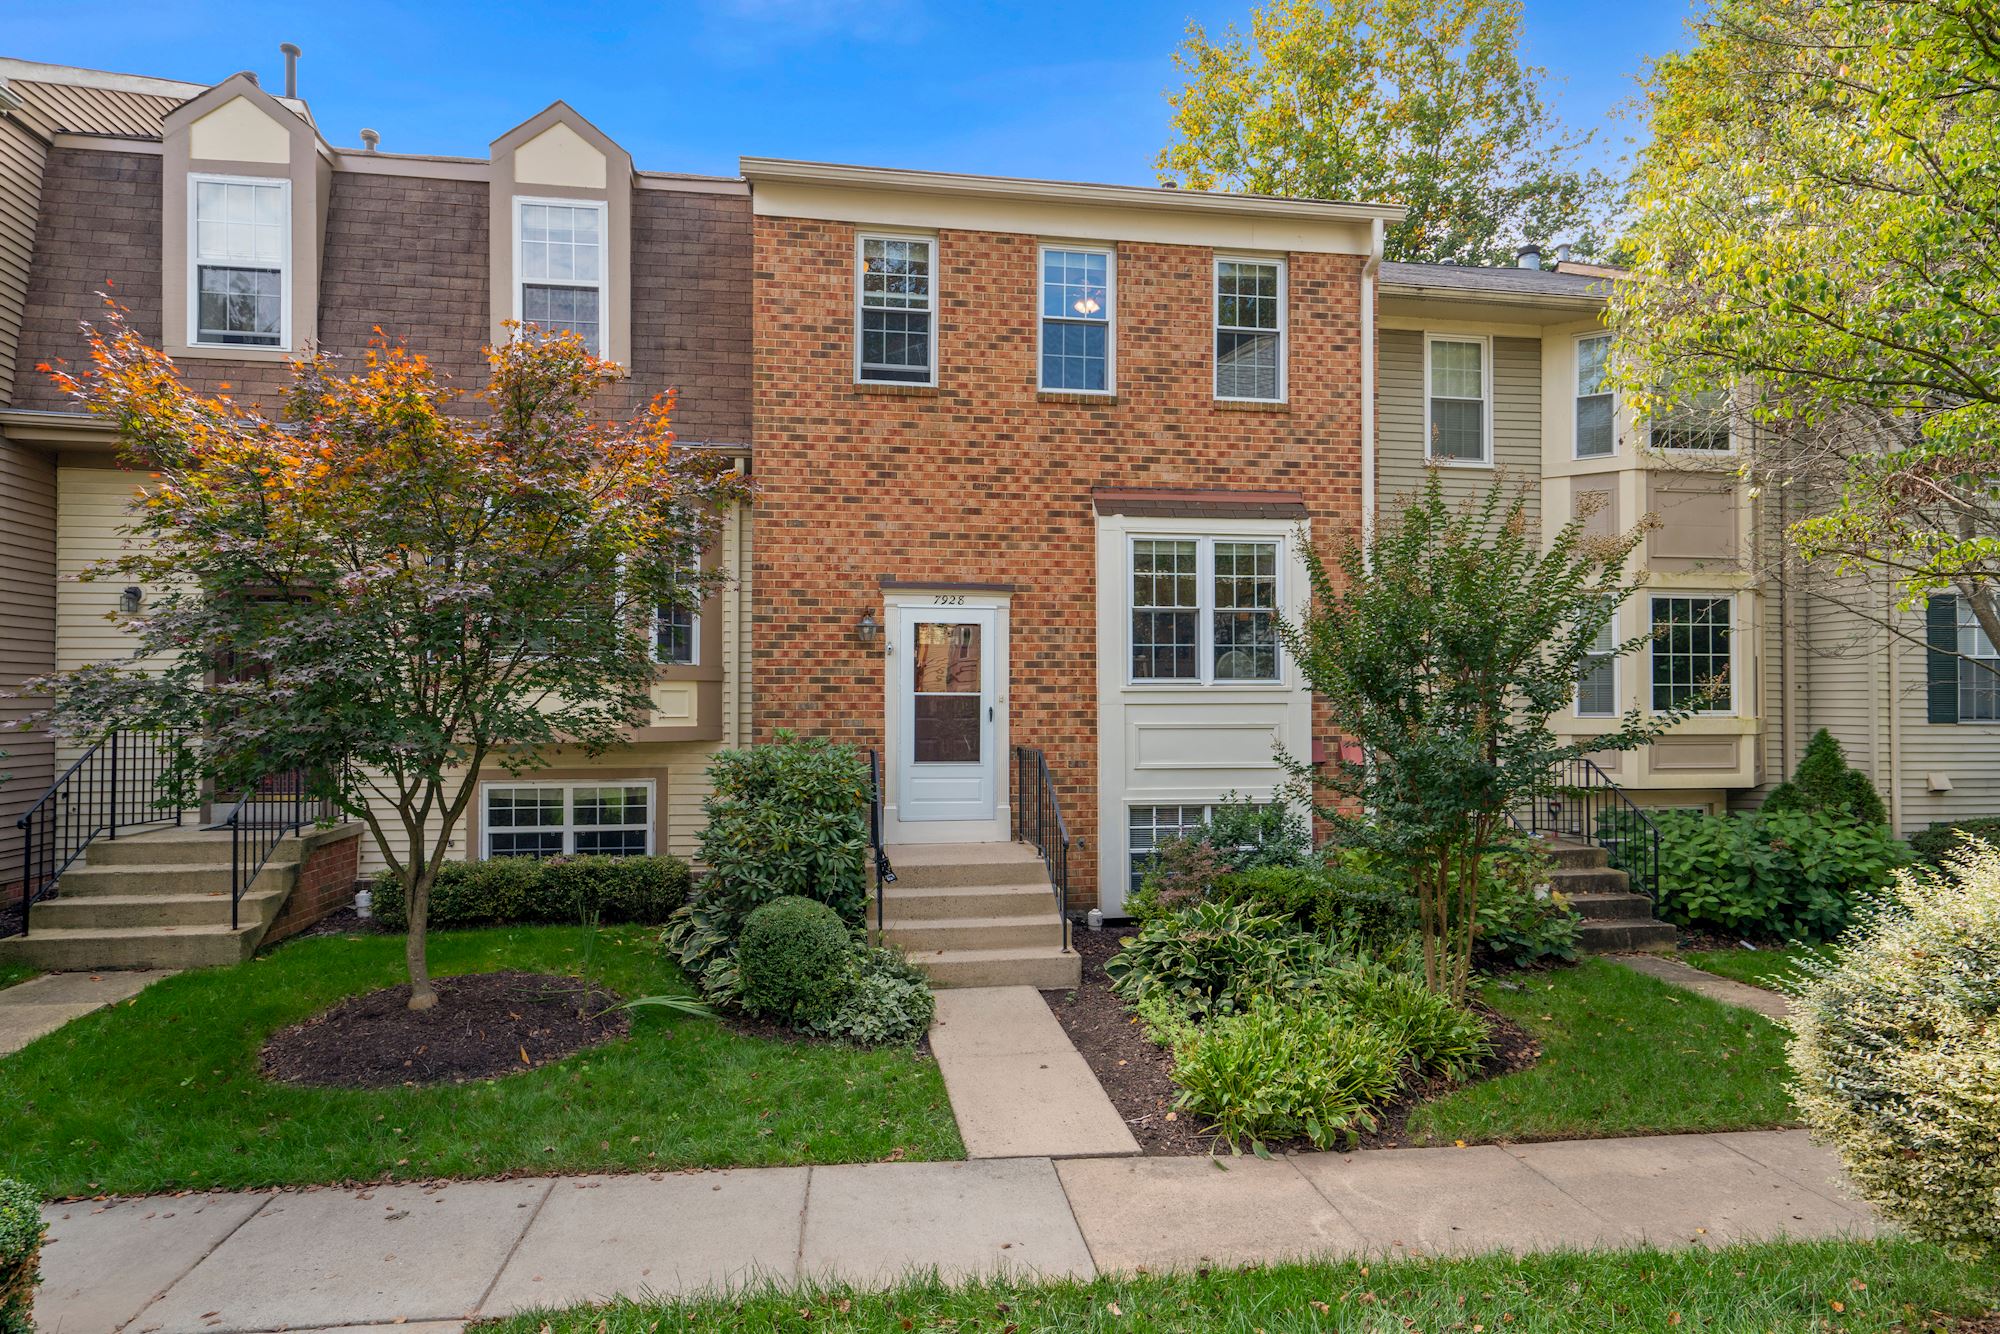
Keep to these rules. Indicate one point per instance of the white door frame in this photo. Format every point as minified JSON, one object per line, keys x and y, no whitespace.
{"x":900,"y":607}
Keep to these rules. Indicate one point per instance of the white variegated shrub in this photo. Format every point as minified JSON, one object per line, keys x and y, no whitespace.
{"x":1896,"y":1052}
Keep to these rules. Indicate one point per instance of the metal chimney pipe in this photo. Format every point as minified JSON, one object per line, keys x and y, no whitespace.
{"x":292,"y":54}
{"x":1529,"y":256}
{"x":370,"y":140}
{"x":1562,"y":253}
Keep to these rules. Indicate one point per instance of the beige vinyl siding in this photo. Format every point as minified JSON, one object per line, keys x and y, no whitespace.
{"x":27,"y":630}
{"x":1516,"y":391}
{"x":94,"y":510}
{"x":22,"y":157}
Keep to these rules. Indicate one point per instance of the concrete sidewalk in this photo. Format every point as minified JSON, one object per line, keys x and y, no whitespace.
{"x":43,"y":1004}
{"x":1018,"y":1085}
{"x":435,"y":1256}
{"x":1771,"y":1004}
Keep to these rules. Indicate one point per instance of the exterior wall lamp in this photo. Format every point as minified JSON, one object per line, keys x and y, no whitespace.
{"x":129,"y":600}
{"x":867,"y":630}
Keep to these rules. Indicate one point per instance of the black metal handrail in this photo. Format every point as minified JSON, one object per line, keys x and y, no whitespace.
{"x":112,"y":786}
{"x":1038,"y":819}
{"x":270,"y":810}
{"x":1585,"y":804}
{"x":885,"y":874}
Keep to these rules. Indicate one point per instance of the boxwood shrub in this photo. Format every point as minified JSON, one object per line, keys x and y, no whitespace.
{"x":794,"y":961}
{"x":21,"y":1230}
{"x":535,"y":889}
{"x":1931,"y":845}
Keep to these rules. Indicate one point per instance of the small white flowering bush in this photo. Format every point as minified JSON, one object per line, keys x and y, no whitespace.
{"x":1896,"y":1052}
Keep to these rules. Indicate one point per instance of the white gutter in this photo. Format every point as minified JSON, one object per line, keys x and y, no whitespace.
{"x":1369,"y":270}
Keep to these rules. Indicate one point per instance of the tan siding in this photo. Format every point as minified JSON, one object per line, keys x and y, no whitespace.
{"x":22,"y":157}
{"x":27,"y":629}
{"x":1517,"y":417}
{"x":85,"y":110}
{"x":94,"y":509}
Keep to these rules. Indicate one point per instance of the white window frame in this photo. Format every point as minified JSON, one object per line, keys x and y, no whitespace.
{"x":1969,"y":634}
{"x":1735,"y":708}
{"x":1610,"y":657}
{"x":1204,"y":610}
{"x":569,"y":826}
{"x":194,"y":339}
{"x":693,"y":658}
{"x":603,"y":284}
{"x":1729,"y":420}
{"x":861,"y":240}
{"x":1216,"y":329}
{"x":1110,"y":316}
{"x":1485,"y":342}
{"x":1576,"y":402}
{"x":1205,"y":805}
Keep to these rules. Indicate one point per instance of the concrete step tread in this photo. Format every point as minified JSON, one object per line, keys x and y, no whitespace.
{"x":105,"y":870}
{"x":1003,"y":955}
{"x":1043,"y":890}
{"x":959,"y":854}
{"x":156,"y":900}
{"x":57,"y":933}
{"x":895,"y":923}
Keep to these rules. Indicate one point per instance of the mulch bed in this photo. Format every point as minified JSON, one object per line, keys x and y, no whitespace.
{"x":484,"y":1025}
{"x":1138,"y":1076}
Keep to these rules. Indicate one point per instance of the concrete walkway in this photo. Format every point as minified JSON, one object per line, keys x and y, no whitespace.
{"x":44,"y":1004}
{"x":1019,"y":1087}
{"x":1770,"y":1004}
{"x":435,"y":1256}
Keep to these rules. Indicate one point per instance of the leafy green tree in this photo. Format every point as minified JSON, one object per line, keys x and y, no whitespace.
{"x":1825,"y":782}
{"x":1443,"y":647}
{"x":1407,"y":101}
{"x":409,"y":587}
{"x":1817,"y":231}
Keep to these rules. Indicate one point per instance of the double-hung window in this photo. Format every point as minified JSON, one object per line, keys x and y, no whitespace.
{"x":568,"y":819}
{"x":1596,"y":405}
{"x":1692,"y":654}
{"x":240,"y":256}
{"x":1250,"y":330}
{"x":1699,"y":423}
{"x":677,"y":635}
{"x":1597,"y":687}
{"x":1076,"y":320}
{"x":1979,"y":670}
{"x":897,"y":310}
{"x":1204,"y":610}
{"x":562,"y":267}
{"x":1456,"y":416}
{"x":1962,"y":672}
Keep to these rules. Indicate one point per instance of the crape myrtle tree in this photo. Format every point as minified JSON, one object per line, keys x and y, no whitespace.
{"x":1442,"y":644}
{"x":1816,"y":231}
{"x":1408,"y":101}
{"x":410,"y":585}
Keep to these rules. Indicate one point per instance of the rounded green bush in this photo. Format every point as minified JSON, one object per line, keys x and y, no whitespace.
{"x":795,"y":961}
{"x":21,"y":1232}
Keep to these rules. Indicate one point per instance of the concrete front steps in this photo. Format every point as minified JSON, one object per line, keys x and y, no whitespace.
{"x":153,"y":900}
{"x":978,"y":915}
{"x":1615,"y":920}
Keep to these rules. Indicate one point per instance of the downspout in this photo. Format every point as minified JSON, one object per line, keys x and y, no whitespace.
{"x":1894,"y":648}
{"x":1370,"y":271}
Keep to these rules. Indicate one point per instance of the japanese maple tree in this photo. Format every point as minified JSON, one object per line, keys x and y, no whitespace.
{"x":411,"y":585}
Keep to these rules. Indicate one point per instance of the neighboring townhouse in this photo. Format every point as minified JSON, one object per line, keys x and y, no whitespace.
{"x":1035,"y":462}
{"x":238,"y":236}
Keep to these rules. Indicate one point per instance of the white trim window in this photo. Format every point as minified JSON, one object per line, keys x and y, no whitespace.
{"x":1458,"y":416}
{"x":1597,"y":687}
{"x":677,"y":635}
{"x":239,"y":261}
{"x":566,"y":819}
{"x":1250,"y":330}
{"x":560,"y":267}
{"x":1979,"y":672}
{"x":1077,"y":328}
{"x":1596,"y":404}
{"x":1693,"y":653}
{"x":1699,"y":424}
{"x":895,"y":310}
{"x":1146,"y":825}
{"x":1204,"y":609}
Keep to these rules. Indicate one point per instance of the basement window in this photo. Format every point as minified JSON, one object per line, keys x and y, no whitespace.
{"x":568,"y":819}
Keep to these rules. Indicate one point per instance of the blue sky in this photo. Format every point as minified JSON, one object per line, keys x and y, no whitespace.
{"x":1070,"y":91}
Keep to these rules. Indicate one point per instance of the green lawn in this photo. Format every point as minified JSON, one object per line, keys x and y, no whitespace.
{"x":1779,"y":1287}
{"x":1622,"y":1054}
{"x":164,"y":1093}
{"x":13,"y":974}
{"x":1760,"y":968}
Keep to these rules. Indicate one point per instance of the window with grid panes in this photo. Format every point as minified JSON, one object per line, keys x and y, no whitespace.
{"x":1691,"y":654}
{"x":1076,"y":320}
{"x":568,"y":819}
{"x":1250,"y":330}
{"x":240,"y":243}
{"x":1457,"y":400}
{"x":562,"y":269}
{"x":896,"y":309}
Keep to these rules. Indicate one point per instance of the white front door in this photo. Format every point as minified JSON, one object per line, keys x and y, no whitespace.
{"x":947,"y":759}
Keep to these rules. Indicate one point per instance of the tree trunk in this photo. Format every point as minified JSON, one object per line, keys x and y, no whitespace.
{"x":422,"y":996}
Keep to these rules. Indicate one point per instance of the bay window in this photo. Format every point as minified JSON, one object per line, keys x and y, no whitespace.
{"x":1596,"y":405}
{"x":1692,"y":654}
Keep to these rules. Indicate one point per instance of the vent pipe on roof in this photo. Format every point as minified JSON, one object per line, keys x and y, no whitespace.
{"x":1529,"y":256}
{"x":1562,"y":253}
{"x":251,"y":75}
{"x":292,"y":54}
{"x":370,"y":140}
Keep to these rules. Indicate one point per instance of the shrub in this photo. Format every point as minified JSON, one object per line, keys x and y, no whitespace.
{"x":1248,"y":834}
{"x":1784,"y":875}
{"x":1180,"y":871}
{"x":534,"y":889}
{"x":1896,"y":1052}
{"x":889,"y":1002}
{"x":21,"y":1230}
{"x":794,"y":961}
{"x":1931,"y":846}
{"x":1364,"y":913}
{"x":1824,"y":784}
{"x":1439,"y":1039}
{"x":1207,"y":957}
{"x":1284,"y":1067}
{"x":1521,"y":920}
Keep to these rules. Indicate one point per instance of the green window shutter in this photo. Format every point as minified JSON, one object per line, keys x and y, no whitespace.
{"x":1941,"y":659}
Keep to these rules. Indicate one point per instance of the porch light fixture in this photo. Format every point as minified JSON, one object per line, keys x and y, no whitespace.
{"x":129,"y":600}
{"x":866,"y":631}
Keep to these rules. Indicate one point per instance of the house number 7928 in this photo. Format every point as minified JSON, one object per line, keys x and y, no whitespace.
{"x":948,"y":600}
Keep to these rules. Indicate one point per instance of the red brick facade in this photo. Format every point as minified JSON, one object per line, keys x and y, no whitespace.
{"x":984,"y":479}
{"x":326,"y":882}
